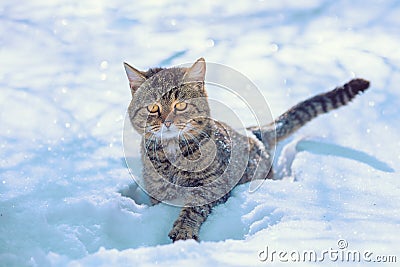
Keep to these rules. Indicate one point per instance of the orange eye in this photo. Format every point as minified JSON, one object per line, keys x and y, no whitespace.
{"x":180,"y":106}
{"x":153,"y":108}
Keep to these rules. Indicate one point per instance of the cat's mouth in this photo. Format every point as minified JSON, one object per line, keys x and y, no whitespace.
{"x":166,"y":133}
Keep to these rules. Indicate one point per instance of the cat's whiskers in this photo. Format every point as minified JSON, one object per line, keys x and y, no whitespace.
{"x":149,"y":140}
{"x":186,"y":131}
{"x":185,"y":128}
{"x":155,"y":151}
{"x":196,"y":140}
{"x":192,"y":137}
{"x":200,"y":132}
{"x":187,"y":142}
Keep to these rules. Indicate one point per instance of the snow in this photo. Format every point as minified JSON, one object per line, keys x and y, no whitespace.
{"x":64,"y":94}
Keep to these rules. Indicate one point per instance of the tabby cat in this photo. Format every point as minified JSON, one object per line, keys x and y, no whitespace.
{"x":193,"y":161}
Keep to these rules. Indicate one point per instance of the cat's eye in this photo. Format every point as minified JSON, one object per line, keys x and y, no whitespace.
{"x":153,"y":108}
{"x":180,"y":106}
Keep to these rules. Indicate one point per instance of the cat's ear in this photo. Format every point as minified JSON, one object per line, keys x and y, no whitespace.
{"x":135,"y":77}
{"x":196,"y":72}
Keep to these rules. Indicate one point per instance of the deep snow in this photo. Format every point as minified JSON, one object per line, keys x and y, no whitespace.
{"x":63,"y":178}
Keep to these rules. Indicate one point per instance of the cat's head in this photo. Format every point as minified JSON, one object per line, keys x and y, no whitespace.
{"x":168,"y":103}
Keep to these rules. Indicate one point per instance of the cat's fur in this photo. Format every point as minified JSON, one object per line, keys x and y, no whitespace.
{"x":194,"y":161}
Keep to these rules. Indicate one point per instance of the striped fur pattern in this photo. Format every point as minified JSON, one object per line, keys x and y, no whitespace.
{"x":305,"y":111}
{"x":184,"y":149}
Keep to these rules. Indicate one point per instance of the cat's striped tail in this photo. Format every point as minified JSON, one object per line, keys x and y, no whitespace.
{"x":307,"y":110}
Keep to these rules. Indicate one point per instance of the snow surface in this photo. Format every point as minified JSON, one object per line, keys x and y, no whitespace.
{"x":63,"y":99}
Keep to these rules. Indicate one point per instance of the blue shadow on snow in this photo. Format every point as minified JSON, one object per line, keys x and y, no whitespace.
{"x":321,"y":148}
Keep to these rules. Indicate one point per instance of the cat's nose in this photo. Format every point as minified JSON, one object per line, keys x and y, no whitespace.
{"x":167,"y":123}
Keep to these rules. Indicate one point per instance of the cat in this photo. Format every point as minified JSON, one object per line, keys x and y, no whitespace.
{"x":194,"y":161}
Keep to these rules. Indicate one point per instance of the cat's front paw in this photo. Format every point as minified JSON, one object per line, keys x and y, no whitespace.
{"x":183,"y":232}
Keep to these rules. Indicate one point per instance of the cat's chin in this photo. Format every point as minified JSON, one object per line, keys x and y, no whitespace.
{"x":167,"y":135}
